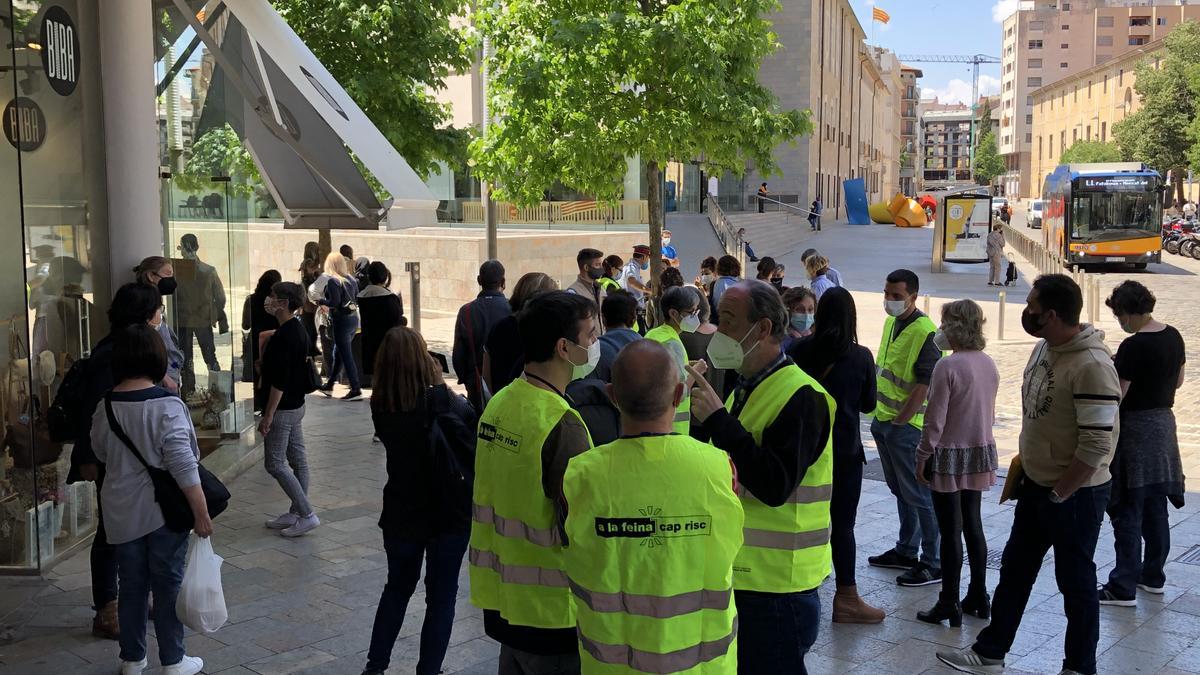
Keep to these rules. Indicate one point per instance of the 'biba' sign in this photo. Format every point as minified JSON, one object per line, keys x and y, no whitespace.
{"x":60,"y":50}
{"x":24,"y":124}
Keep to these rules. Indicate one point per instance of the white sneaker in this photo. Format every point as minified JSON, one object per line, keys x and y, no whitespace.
{"x":967,"y":661}
{"x":1157,"y":590}
{"x":283,"y":522}
{"x":133,"y":667}
{"x":190,"y":665}
{"x":303,"y":526}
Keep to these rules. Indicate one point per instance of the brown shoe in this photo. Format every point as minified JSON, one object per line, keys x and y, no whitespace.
{"x":849,"y":608}
{"x":106,"y":625}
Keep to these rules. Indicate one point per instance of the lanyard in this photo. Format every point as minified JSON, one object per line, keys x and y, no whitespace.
{"x":553,"y":388}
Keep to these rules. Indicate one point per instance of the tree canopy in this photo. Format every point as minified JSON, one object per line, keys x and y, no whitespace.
{"x":1084,"y":152}
{"x":988,"y":162}
{"x":219,"y":152}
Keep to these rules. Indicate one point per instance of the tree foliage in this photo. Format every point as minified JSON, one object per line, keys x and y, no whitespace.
{"x":576,"y":86}
{"x":988,"y":162}
{"x":391,"y":57}
{"x":1085,"y":152}
{"x":219,"y":152}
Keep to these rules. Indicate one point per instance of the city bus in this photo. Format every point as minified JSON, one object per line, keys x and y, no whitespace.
{"x":1103,"y":213}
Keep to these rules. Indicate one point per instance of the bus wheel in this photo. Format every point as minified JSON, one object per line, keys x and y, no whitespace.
{"x":1139,"y":266}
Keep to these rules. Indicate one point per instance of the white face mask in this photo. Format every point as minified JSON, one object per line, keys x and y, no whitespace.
{"x":895,"y":307}
{"x":269,"y":305}
{"x":706,"y":279}
{"x":580,"y":371}
{"x":689,"y":323}
{"x":941,"y":341}
{"x":726,"y":353}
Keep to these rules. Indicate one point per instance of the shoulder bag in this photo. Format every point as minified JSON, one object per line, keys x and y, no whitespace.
{"x":174,"y":504}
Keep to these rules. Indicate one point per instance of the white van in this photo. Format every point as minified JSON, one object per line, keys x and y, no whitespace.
{"x":1035,"y":213}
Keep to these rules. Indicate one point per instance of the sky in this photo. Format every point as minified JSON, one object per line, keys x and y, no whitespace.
{"x":942,"y":27}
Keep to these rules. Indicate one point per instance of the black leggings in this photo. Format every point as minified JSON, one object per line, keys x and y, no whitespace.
{"x":843,"y":507}
{"x":958,"y":519}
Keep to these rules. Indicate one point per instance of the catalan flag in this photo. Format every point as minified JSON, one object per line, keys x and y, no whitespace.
{"x":879,"y":15}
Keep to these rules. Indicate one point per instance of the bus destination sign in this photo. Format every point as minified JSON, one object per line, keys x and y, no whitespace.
{"x":1117,"y":183}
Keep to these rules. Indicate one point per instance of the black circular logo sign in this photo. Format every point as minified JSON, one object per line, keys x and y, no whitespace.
{"x":60,"y":50}
{"x":24,"y":124}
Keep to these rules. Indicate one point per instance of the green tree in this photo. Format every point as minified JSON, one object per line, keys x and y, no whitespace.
{"x":1084,"y":152}
{"x":219,"y":152}
{"x":1162,"y":133}
{"x":391,"y":57}
{"x":988,"y":162}
{"x":577,"y":87}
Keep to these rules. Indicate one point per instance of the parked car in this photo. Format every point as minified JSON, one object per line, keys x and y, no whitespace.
{"x":1035,"y":213}
{"x":998,"y":203}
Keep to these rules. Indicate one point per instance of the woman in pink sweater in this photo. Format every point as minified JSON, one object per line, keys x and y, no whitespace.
{"x":957,"y":456}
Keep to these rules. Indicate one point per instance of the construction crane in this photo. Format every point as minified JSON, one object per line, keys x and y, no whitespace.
{"x":975,"y":60}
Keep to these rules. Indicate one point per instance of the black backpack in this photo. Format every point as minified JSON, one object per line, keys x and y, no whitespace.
{"x":66,"y":413}
{"x":452,"y":453}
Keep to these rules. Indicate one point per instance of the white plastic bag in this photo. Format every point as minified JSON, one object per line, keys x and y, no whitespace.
{"x":201,"y":603}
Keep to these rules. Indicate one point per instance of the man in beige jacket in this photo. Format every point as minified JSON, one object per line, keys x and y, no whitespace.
{"x":1070,"y":396}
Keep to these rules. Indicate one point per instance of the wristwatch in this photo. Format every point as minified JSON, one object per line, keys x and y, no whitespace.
{"x":1055,"y":498}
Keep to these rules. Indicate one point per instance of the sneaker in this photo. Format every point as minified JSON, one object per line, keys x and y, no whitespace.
{"x":967,"y":661}
{"x":326,"y":390}
{"x":133,"y":667}
{"x":893,"y":559}
{"x":283,"y":522}
{"x":920,"y":575}
{"x":303,"y":526}
{"x":105,"y":624}
{"x":1107,"y":597}
{"x":1157,"y":590}
{"x":355,"y":395}
{"x":190,"y":665}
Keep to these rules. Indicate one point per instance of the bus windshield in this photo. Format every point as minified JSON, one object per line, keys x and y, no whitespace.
{"x":1114,"y":215}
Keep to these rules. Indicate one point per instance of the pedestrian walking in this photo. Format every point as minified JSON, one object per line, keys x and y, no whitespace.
{"x":830,"y":272}
{"x":814,"y":215}
{"x":157,"y":272}
{"x":776,"y":432}
{"x":428,"y":433}
{"x":503,"y":354}
{"x":380,"y":309}
{"x":817,"y":267}
{"x":846,"y":370}
{"x":340,"y":303}
{"x":957,"y":459}
{"x":473,"y":326}
{"x":1070,"y":395}
{"x":608,"y":487}
{"x":255,"y":321}
{"x":528,"y":433}
{"x":1147,"y":469}
{"x":995,"y":254}
{"x":906,"y":359}
{"x":138,"y":414}
{"x":681,"y":315}
{"x":591,"y":269}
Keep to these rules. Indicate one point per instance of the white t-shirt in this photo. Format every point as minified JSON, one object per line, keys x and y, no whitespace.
{"x":633,"y":270}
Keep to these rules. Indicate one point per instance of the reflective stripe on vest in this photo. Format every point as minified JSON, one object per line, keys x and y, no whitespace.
{"x":786,"y":547}
{"x":895,"y":379}
{"x":516,"y":559}
{"x":657,"y":606}
{"x":652,"y":662}
{"x":665,"y":334}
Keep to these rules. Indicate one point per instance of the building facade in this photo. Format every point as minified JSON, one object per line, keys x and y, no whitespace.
{"x":947,"y":133}
{"x":1084,"y":107}
{"x":910,"y":131}
{"x":1045,"y":41}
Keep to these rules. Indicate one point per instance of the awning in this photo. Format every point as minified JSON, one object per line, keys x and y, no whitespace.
{"x":298,"y":123}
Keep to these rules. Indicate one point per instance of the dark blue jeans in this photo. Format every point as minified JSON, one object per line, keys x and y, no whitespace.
{"x":103,"y":556}
{"x":776,"y":630}
{"x":1134,"y":518}
{"x":151,"y":564}
{"x":897,"y":446}
{"x":343,"y":327}
{"x":1071,"y":528}
{"x":443,"y":554}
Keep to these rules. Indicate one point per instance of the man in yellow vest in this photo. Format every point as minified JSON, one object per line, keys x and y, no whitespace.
{"x":904,"y":366}
{"x":654,"y":527}
{"x":776,"y":429}
{"x":681,"y":314}
{"x":527,"y":433}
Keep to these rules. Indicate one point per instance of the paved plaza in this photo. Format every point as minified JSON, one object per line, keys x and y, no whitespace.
{"x":307,"y":605}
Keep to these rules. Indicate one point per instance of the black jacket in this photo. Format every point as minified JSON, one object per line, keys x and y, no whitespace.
{"x":99,"y":382}
{"x":379,"y":310}
{"x":590,"y":399}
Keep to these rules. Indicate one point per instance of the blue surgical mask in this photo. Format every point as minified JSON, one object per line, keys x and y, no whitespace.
{"x":646,"y":265}
{"x":802,"y":322}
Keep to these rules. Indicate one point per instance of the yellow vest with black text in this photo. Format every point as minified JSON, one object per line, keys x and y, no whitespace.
{"x":786,"y":547}
{"x":516,"y":548}
{"x":895,"y":379}
{"x":610,"y":285}
{"x":654,"y":527}
{"x":683,"y":414}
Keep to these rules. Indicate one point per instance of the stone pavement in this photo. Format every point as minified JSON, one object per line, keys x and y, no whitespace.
{"x":307,"y":605}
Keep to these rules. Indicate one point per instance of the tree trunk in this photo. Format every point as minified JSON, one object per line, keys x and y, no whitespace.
{"x":1177,"y":178}
{"x":654,"y":204}
{"x":324,"y":243}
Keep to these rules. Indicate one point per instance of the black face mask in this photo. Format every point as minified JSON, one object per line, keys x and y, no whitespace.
{"x":167,"y":285}
{"x":595,"y":273}
{"x":777,"y":282}
{"x":1031,"y":322}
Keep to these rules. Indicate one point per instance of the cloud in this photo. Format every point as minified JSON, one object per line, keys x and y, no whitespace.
{"x":1003,"y":9}
{"x":959,"y":91}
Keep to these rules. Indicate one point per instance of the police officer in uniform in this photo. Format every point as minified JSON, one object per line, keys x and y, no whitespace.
{"x":776,"y":428}
{"x":527,"y":433}
{"x":654,"y":527}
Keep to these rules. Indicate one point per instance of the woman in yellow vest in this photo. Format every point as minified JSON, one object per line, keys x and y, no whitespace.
{"x":654,"y":527}
{"x":681,"y":314}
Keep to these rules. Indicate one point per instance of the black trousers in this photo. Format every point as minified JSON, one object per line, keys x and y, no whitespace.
{"x":103,"y":556}
{"x":843,"y":508}
{"x":958,"y":518}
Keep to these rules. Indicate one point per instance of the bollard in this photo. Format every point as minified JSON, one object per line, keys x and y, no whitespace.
{"x":926,"y":305}
{"x":414,"y":294}
{"x":1000,"y":323}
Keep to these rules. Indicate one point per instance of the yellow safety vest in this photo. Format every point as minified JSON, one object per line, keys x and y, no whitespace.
{"x":894,"y":378}
{"x":516,"y":547}
{"x":654,"y":527}
{"x":683,"y":414}
{"x":786,"y":547}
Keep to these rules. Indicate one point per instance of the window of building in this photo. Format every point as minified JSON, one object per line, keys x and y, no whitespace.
{"x":1029,"y":119}
{"x":1037,"y":25}
{"x":1028,"y":136}
{"x":1035,"y":63}
{"x":1050,"y":147}
{"x":1009,"y":32}
{"x":1121,"y":77}
{"x":1104,"y":41}
{"x":1139,"y":21}
{"x":1160,"y":21}
{"x":1075,"y":95}
{"x":1064,"y":45}
{"x":1032,"y":82}
{"x":1066,"y":26}
{"x":1103,"y":132}
{"x":1029,"y":100}
{"x":1008,"y":85}
{"x":1136,"y":41}
{"x":1008,"y":69}
{"x":1066,"y":7}
{"x":1062,"y":142}
{"x":1064,"y":64}
{"x":1089,"y":89}
{"x":1074,"y":135}
{"x":1104,"y":22}
{"x":1104,"y":90}
{"x":1035,"y":44}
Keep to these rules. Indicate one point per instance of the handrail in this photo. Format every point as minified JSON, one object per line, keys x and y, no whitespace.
{"x":797,"y":209}
{"x":733,"y":243}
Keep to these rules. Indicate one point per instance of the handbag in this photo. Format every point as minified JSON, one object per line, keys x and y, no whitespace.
{"x":174,"y":504}
{"x":1013,"y":481}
